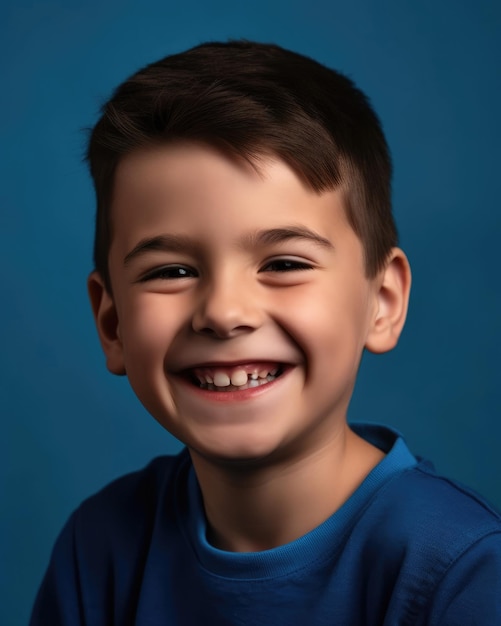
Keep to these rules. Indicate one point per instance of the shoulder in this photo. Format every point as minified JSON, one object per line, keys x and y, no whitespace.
{"x":141,"y":484}
{"x":423,"y":503}
{"x":132,"y":499}
{"x":430,"y":517}
{"x":98,"y":559}
{"x":442,"y":542}
{"x":412,"y":502}
{"x":115,"y":526}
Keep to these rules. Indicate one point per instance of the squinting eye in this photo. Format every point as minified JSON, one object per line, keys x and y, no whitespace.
{"x":286,"y":265}
{"x":169,"y":272}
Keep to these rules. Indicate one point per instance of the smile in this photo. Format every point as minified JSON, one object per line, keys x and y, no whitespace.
{"x":238,"y":378}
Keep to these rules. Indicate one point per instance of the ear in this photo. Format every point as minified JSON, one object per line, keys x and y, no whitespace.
{"x":394,"y":284}
{"x":106,"y":318}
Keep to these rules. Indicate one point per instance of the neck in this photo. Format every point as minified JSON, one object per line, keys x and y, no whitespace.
{"x":259,"y":507}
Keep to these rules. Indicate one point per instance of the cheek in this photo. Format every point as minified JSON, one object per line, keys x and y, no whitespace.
{"x":330,"y":326}
{"x":148,"y":325}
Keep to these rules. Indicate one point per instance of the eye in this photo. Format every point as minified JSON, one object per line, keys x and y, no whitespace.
{"x":286,"y":265}
{"x":169,"y":272}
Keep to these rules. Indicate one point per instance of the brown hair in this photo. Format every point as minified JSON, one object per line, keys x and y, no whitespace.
{"x":251,"y":99}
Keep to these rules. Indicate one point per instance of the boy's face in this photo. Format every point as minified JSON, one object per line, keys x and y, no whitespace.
{"x":222,"y":273}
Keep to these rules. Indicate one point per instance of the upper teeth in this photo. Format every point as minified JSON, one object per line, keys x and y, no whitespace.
{"x":237,"y":378}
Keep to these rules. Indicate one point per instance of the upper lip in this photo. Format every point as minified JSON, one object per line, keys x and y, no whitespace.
{"x":266,"y":352}
{"x":230,"y":364}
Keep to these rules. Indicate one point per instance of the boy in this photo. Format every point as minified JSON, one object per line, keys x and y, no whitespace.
{"x":245,"y":255}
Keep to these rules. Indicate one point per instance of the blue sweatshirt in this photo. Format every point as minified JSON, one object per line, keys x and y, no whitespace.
{"x":408,"y":547}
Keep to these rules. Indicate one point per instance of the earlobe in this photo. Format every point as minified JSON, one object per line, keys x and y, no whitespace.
{"x":106,"y":318}
{"x":393,"y":292}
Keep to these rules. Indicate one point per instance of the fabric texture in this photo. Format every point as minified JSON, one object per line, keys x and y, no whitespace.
{"x":408,"y":547}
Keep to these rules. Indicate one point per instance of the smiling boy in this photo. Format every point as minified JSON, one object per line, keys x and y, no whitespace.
{"x":245,"y":257}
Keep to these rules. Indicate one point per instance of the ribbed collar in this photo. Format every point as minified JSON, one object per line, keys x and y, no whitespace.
{"x":312,"y":546}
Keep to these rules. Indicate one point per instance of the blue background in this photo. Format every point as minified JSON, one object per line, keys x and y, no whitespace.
{"x":432,"y":71}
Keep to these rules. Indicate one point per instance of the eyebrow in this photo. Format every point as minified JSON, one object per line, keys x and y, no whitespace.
{"x":161,"y":243}
{"x":279,"y":235}
{"x":181,"y":243}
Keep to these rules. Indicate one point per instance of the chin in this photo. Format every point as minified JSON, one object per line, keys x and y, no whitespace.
{"x":238,"y":454}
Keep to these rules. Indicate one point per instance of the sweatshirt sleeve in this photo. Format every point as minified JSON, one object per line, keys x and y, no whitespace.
{"x":58,"y":601}
{"x":470,"y":592}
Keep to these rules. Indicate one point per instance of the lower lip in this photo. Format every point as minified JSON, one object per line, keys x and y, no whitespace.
{"x":236,"y":395}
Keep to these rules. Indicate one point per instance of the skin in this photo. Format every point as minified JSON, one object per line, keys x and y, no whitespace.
{"x":218,"y":264}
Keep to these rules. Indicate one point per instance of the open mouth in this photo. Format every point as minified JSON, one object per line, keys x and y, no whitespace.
{"x":237,"y":378}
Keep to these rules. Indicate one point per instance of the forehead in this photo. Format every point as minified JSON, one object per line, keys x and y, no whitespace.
{"x":196,"y":190}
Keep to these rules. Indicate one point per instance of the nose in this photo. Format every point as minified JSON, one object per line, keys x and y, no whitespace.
{"x":226,"y":308}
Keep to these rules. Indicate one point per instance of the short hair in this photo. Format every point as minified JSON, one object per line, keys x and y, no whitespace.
{"x":252,"y":99}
